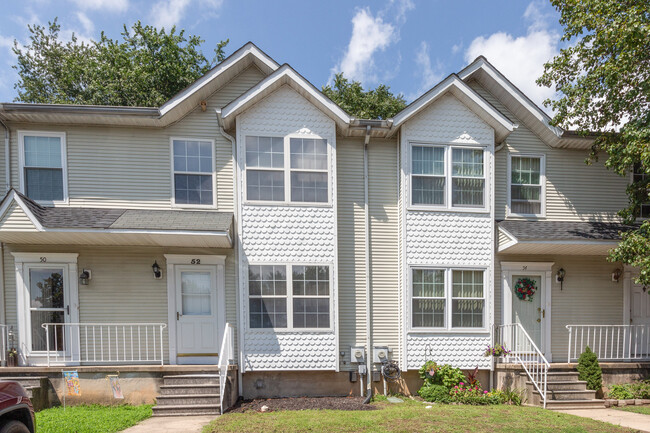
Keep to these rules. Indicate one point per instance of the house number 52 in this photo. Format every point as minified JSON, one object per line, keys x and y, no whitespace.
{"x":195,"y":262}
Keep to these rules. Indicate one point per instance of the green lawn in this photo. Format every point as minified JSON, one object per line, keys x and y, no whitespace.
{"x":411,"y":416}
{"x":645,"y":410}
{"x":90,"y":419}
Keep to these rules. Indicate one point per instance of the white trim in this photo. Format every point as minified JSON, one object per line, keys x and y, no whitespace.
{"x":542,"y":180}
{"x":13,"y":197}
{"x":213,"y":160}
{"x":284,"y":75}
{"x":544,"y":270}
{"x":290,"y":329}
{"x":248,"y":49}
{"x":64,"y":162}
{"x":627,"y":296}
{"x":50,"y":257}
{"x":185,"y":260}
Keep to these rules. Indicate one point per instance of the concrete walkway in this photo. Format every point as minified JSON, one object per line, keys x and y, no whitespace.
{"x":171,"y":424}
{"x":631,"y":420}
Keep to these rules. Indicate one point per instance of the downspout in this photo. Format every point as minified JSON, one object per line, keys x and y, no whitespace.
{"x":7,"y":157}
{"x":235,"y":176}
{"x":2,"y":249}
{"x":367,"y":266}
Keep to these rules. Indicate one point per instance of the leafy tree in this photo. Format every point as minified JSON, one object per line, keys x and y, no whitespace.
{"x":379,"y":103}
{"x":145,"y":68}
{"x":603,"y":76}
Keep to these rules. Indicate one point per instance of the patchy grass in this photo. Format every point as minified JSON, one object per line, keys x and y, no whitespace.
{"x":412,"y":416}
{"x":645,"y":410}
{"x":90,"y":419}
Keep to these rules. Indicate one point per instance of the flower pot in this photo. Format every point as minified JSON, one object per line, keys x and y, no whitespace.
{"x":12,"y":361}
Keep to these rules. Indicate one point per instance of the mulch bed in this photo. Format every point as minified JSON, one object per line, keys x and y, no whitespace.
{"x":302,"y":403}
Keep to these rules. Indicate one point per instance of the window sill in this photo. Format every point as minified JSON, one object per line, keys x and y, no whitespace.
{"x":291,"y":331}
{"x":287,"y":204}
{"x":448,"y":209}
{"x":447,"y":331}
{"x":525,"y":216}
{"x":194,"y":206}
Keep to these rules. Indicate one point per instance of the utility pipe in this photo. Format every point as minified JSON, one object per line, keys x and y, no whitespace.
{"x":367,"y":266}
{"x":7,"y":157}
{"x":235,"y":176}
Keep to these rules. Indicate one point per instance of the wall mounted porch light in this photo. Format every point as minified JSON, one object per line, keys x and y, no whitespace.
{"x":616,"y":275}
{"x":559,"y":277}
{"x":157,"y":272}
{"x":85,"y":277}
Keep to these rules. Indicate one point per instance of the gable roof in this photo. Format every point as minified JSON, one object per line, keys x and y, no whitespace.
{"x":171,"y":111}
{"x":284,"y":75}
{"x":454,"y":85}
{"x":521,"y":106}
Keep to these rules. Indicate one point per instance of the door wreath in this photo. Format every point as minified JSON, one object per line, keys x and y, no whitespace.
{"x":525,"y":288}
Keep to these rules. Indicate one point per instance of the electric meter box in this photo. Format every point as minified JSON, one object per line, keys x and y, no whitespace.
{"x":380,"y":354}
{"x":357,"y":354}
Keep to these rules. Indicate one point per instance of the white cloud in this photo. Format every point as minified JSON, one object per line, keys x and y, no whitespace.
{"x":106,"y":5}
{"x":429,"y":76}
{"x":521,"y":59}
{"x":86,"y":22}
{"x":370,"y":34}
{"x":402,"y":7}
{"x":167,"y":13}
{"x":6,"y":42}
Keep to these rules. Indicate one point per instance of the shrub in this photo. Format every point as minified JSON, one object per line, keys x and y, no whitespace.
{"x":589,"y":370}
{"x":474,"y":395}
{"x":507,"y":396}
{"x":437,"y":393}
{"x":630,"y":390}
{"x":620,"y":392}
{"x":434,"y":374}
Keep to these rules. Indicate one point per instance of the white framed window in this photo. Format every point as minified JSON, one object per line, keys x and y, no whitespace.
{"x":447,"y":177}
{"x":193,"y":165}
{"x":289,"y":297}
{"x":526,"y":180}
{"x":447,"y":298}
{"x":638,"y":175}
{"x":287,"y":169}
{"x":43,"y":167}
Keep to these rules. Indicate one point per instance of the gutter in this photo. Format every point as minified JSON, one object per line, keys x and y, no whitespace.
{"x":80,"y":109}
{"x":367,"y":267}
{"x":7,"y":157}
{"x":235,"y":244}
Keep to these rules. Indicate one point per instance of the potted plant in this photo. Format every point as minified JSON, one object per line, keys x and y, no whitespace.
{"x":497,"y":351}
{"x":12,"y":357}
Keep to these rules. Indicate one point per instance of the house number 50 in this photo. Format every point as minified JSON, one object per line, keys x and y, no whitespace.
{"x":43,"y":259}
{"x":195,"y":262}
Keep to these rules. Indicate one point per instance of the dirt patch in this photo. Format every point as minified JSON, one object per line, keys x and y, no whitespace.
{"x":302,"y":403}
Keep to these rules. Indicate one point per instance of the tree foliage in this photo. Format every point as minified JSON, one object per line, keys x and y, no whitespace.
{"x":603,"y":77}
{"x":589,"y":370}
{"x":145,"y":68}
{"x":379,"y":103}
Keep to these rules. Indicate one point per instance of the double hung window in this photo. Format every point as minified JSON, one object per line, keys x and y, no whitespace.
{"x":301,"y":301}
{"x":290,"y":169}
{"x":43,"y":166}
{"x":639,"y":176}
{"x":193,"y":172}
{"x":526,"y":177}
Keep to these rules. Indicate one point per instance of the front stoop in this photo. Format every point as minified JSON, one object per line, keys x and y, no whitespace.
{"x":191,"y":394}
{"x":565,"y":391}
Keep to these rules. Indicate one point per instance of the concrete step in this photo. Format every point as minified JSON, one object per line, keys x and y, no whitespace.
{"x":562,"y":376}
{"x":571,"y":395}
{"x":25,"y":381}
{"x":189,"y":389}
{"x":186,"y":410}
{"x":577,"y":385}
{"x":191,"y":379}
{"x":188,"y":399}
{"x":575,"y":404}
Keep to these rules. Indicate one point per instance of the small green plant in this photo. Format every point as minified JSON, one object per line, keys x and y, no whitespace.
{"x":630,"y":390}
{"x":507,"y":396}
{"x":589,"y":370}
{"x":620,"y":392}
{"x":445,"y":374}
{"x":472,"y":377}
{"x":435,"y":393}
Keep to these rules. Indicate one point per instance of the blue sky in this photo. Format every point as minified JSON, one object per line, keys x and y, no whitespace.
{"x":407,"y":44}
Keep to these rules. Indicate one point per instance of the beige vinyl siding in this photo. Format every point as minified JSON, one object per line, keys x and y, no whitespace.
{"x":351,"y":246}
{"x":574,"y":190}
{"x":131,"y":167}
{"x":588,"y":296}
{"x":15,"y":219}
{"x":384,"y":243}
{"x":503,"y":239}
{"x":122,"y":288}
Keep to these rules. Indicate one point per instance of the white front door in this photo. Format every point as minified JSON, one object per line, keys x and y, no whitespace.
{"x":640,"y":317}
{"x":196,"y":315}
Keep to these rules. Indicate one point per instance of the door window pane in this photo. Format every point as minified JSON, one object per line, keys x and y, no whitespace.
{"x":196,"y":293}
{"x":46,"y":288}
{"x":56,"y":333}
{"x":526,"y":187}
{"x":46,"y":294}
{"x":43,"y":171}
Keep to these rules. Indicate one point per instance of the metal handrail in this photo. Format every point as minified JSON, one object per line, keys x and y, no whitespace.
{"x":104,"y":343}
{"x":225,"y":355}
{"x":524,"y":350}
{"x":610,"y":342}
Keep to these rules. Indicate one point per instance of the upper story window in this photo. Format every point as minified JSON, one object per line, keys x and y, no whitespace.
{"x":526,"y":185}
{"x":301,"y":301}
{"x":194,"y":174}
{"x":43,"y":166}
{"x":639,"y":175}
{"x":447,"y":176}
{"x":447,"y":298}
{"x":287,"y":169}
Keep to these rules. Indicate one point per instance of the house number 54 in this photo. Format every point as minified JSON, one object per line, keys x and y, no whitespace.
{"x":195,"y":262}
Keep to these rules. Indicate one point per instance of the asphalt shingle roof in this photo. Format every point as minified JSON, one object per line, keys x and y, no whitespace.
{"x":563,"y":230}
{"x":135,"y":219}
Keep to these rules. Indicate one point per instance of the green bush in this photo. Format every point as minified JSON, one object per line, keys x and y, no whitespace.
{"x":620,"y":392}
{"x":507,"y":396}
{"x":446,"y":375}
{"x":630,"y":390}
{"x":436,"y":393}
{"x":589,"y":370}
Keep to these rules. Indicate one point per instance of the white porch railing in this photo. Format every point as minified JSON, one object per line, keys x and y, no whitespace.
{"x":4,"y":344}
{"x":610,"y":342}
{"x":524,"y":351}
{"x":225,"y":356}
{"x":104,"y":343}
